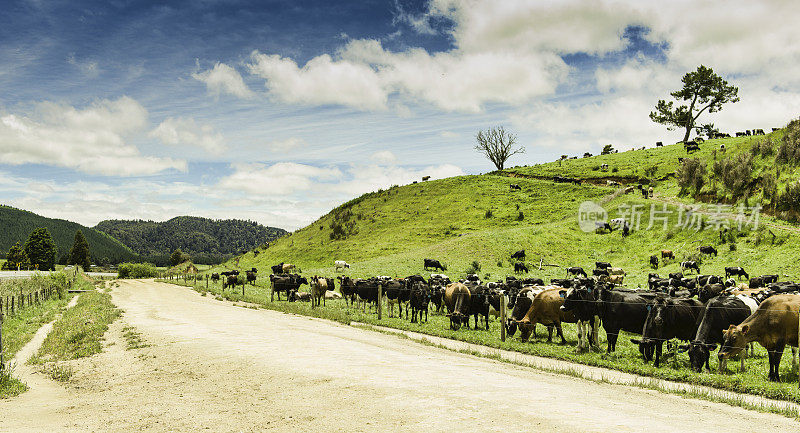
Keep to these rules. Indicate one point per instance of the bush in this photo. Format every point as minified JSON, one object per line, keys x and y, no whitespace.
{"x":343,"y":225}
{"x":136,"y":270}
{"x":614,"y":170}
{"x":789,"y":150}
{"x":763,"y":147}
{"x":520,"y":216}
{"x":691,"y":175}
{"x":734,"y":173}
{"x":789,"y":202}
{"x":488,"y":213}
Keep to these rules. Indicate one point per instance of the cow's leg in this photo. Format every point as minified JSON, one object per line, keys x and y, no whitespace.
{"x":659,"y":347}
{"x":596,"y":331}
{"x":611,"y":339}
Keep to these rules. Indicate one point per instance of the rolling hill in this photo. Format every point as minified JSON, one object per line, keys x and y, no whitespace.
{"x":18,"y":224}
{"x":475,"y":220}
{"x":205,"y":240}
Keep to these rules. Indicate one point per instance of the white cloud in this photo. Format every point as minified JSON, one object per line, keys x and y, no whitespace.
{"x":384,"y":157}
{"x":280,"y":179}
{"x":91,"y":140}
{"x":287,"y":145}
{"x":321,"y":81}
{"x":186,"y":131}
{"x":222,"y":79}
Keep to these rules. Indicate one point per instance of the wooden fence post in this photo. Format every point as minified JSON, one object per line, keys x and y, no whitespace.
{"x":502,"y":317}
{"x":380,"y":301}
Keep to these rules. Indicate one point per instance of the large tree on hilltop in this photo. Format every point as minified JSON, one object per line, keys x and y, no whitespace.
{"x":497,"y":145}
{"x":703,"y":90}
{"x":41,"y":250}
{"x":79,"y":254}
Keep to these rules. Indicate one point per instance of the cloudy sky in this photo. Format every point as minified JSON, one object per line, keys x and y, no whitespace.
{"x":278,"y":110}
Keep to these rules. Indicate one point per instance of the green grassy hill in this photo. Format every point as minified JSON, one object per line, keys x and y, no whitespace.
{"x":205,"y":240}
{"x":18,"y":224}
{"x":394,"y":230}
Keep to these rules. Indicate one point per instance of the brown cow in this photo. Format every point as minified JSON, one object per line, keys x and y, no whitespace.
{"x":546,"y":309}
{"x":456,"y":298}
{"x":287,"y":267}
{"x":319,"y":286}
{"x":773,"y":325}
{"x":613,"y":279}
{"x":667,"y":254}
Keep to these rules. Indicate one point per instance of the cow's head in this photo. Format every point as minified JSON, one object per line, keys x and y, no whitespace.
{"x":735,"y":339}
{"x":699,"y":353}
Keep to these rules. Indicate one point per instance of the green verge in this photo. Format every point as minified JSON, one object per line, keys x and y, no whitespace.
{"x":626,"y":358}
{"x":18,"y":331}
{"x":80,"y":330}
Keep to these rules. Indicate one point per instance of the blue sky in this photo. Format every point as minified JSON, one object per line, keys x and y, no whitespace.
{"x":277,"y":111}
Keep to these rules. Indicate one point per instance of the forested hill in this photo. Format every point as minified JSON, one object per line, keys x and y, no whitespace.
{"x":18,"y":224}
{"x":205,"y":240}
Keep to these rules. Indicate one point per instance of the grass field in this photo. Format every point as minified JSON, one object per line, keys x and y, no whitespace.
{"x":626,"y":358}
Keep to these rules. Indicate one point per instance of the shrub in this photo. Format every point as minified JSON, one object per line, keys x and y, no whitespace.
{"x":343,"y":225}
{"x":520,"y":216}
{"x":734,"y":173}
{"x":789,"y":202}
{"x":691,"y":175}
{"x":499,"y":263}
{"x":614,"y":170}
{"x":136,"y":270}
{"x":789,"y":150}
{"x":488,"y":213}
{"x":651,"y":171}
{"x":763,"y":147}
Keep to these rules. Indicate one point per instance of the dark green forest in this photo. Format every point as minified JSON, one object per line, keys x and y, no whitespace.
{"x":206,"y":240}
{"x":18,"y":224}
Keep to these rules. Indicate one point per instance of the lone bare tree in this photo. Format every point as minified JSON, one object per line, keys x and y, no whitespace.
{"x":497,"y":145}
{"x":703,"y":90}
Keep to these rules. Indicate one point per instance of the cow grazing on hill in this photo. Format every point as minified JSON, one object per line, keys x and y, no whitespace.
{"x":576,"y":270}
{"x":425,"y":178}
{"x":602,"y":265}
{"x":431,"y":263}
{"x":689,"y":265}
{"x":277,"y":269}
{"x":669,"y":318}
{"x":720,"y":313}
{"x":737,"y":271}
{"x":546,"y":309}
{"x":519,"y":255}
{"x":286,"y":283}
{"x":340,"y":265}
{"x":457,"y":300}
{"x":707,"y":249}
{"x":773,"y":325}
{"x":514,"y":187}
{"x":659,"y":144}
{"x":769,"y":279}
{"x":520,"y":267}
{"x":602,"y":227}
{"x":215,"y":277}
{"x":600,"y":272}
{"x":288,"y":267}
{"x":621,"y":310}
{"x":654,"y":262}
{"x":667,"y":254}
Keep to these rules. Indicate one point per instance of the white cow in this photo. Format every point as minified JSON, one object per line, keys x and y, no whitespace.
{"x":340,"y":265}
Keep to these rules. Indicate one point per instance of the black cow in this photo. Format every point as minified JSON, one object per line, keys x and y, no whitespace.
{"x":709,"y":291}
{"x":520,"y":267}
{"x":215,"y":276}
{"x":676,"y":275}
{"x":582,"y":302}
{"x":519,"y":255}
{"x":251,"y":276}
{"x":720,"y":312}
{"x":288,"y":283}
{"x":396,"y":292}
{"x":478,"y":304}
{"x":514,"y":187}
{"x":735,"y":270}
{"x":692,"y":147}
{"x":277,"y":269}
{"x":576,"y":270}
{"x":347,"y":287}
{"x":420,"y":296}
{"x":702,"y":280}
{"x":600,"y":272}
{"x":621,"y":311}
{"x":659,"y":144}
{"x":669,"y":318}
{"x":437,"y":284}
{"x":533,"y":282}
{"x":654,"y":261}
{"x":430,"y":263}
{"x":708,"y":250}
{"x":602,"y":265}
{"x":690,"y":264}
{"x":769,"y":279}
{"x":561,"y":282}
{"x":756,"y":282}
{"x":367,"y":291}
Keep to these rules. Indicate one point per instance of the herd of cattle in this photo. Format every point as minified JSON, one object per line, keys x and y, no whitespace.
{"x":703,"y":311}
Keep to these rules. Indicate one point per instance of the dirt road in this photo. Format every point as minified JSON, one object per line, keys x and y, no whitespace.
{"x":215,"y":367}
